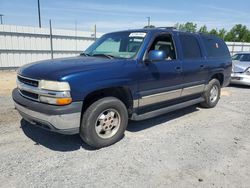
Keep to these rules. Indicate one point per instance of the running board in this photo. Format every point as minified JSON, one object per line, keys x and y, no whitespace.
{"x":165,"y":110}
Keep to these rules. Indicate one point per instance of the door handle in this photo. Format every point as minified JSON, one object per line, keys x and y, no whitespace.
{"x":178,"y":69}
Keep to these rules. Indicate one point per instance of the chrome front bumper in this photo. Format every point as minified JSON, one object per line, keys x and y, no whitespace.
{"x":61,"y":119}
{"x":240,"y":78}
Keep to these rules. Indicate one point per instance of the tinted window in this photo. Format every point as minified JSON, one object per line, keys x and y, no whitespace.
{"x":215,"y":47}
{"x":190,"y":47}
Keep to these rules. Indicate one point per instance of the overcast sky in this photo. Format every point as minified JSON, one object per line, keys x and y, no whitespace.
{"x":111,"y":15}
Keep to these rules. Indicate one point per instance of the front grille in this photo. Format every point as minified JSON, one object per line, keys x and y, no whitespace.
{"x":29,"y":95}
{"x":28,"y":81}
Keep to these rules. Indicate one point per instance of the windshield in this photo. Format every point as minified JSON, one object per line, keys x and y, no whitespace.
{"x":241,"y":57}
{"x":236,"y":57}
{"x":117,"y":45}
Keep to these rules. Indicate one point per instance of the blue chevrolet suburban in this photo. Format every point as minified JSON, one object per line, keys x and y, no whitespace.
{"x":133,"y":74}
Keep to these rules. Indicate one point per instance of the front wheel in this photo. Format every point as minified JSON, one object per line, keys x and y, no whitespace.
{"x":104,"y":122}
{"x":212,"y":94}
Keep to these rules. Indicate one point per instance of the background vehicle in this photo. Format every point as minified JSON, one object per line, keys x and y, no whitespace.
{"x":135,"y":74}
{"x":241,"y":69}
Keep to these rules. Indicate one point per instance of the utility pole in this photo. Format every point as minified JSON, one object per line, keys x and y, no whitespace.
{"x":95,"y":32}
{"x":1,"y":18}
{"x":39,"y":14}
{"x":76,"y":33}
{"x":51,"y":42}
{"x":148,"y":21}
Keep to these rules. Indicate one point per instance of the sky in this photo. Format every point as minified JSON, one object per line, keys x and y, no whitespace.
{"x":113,"y":15}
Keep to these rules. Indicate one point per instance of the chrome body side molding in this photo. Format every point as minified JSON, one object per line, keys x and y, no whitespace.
{"x":169,"y":95}
{"x":192,"y":90}
{"x":165,"y":96}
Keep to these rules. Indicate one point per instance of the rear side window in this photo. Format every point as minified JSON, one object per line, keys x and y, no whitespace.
{"x":215,"y":47}
{"x":190,"y":46}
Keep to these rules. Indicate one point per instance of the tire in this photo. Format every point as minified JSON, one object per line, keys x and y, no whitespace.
{"x":210,"y":95}
{"x":98,"y":122}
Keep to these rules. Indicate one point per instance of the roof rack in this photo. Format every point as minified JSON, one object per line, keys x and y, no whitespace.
{"x":172,"y":28}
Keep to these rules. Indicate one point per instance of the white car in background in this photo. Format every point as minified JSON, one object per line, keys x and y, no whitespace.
{"x":241,"y":69}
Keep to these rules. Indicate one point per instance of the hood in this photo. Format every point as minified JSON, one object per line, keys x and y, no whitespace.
{"x":240,"y":66}
{"x":57,"y":68}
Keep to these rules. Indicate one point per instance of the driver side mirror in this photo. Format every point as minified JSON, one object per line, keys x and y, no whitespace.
{"x":156,"y":55}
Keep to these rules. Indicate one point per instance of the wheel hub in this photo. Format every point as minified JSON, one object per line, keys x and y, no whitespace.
{"x":214,"y":92}
{"x":108,"y":123}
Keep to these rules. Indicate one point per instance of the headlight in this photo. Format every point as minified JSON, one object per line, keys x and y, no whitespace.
{"x":54,"y":86}
{"x":60,"y":92}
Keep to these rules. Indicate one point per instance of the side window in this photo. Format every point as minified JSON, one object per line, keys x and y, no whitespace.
{"x":245,"y":57}
{"x":215,"y":47}
{"x":190,"y":47}
{"x":164,"y":43}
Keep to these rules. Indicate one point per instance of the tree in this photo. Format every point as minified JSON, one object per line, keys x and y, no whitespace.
{"x":222,"y":33}
{"x":203,"y":29}
{"x":214,"y":32}
{"x":239,"y":33}
{"x":150,"y":26}
{"x":189,"y":26}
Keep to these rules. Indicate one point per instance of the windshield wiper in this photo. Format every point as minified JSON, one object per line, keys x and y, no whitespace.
{"x":104,"y":55}
{"x":84,"y":54}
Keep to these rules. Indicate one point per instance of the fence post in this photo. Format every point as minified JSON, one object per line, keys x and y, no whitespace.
{"x":51,"y":41}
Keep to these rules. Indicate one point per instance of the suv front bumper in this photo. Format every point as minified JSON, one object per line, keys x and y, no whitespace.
{"x":61,"y":119}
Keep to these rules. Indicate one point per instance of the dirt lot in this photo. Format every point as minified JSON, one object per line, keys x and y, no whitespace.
{"x":192,"y":147}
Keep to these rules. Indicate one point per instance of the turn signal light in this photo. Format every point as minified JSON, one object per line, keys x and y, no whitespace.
{"x":63,"y":101}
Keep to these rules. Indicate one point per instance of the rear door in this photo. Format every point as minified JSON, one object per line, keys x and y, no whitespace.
{"x":194,"y":65}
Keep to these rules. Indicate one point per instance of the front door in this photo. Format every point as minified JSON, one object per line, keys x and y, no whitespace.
{"x":160,"y":81}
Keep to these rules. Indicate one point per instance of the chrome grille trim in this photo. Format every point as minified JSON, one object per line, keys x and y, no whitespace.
{"x":28,"y":81}
{"x":36,"y":90}
{"x":22,"y":86}
{"x":27,"y":96}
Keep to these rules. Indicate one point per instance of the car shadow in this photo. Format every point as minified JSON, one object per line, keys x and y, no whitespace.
{"x":67,"y":143}
{"x":135,"y":126}
{"x":51,"y":140}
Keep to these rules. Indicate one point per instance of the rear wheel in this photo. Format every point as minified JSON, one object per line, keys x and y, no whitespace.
{"x":104,"y":122}
{"x":212,"y":94}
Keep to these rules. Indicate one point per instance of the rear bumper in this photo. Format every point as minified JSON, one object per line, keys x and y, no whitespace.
{"x":61,"y":119}
{"x":240,"y":78}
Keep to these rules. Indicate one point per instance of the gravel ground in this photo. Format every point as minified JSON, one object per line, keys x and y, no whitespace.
{"x":188,"y":148}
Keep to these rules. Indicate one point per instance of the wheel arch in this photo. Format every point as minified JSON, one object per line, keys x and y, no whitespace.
{"x":219,"y":76}
{"x":122,"y":93}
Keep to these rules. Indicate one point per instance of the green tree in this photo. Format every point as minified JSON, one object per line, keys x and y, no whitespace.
{"x":222,"y":33}
{"x":239,"y":33}
{"x":188,"y":26}
{"x":203,"y":29}
{"x":150,"y":26}
{"x":214,"y":32}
